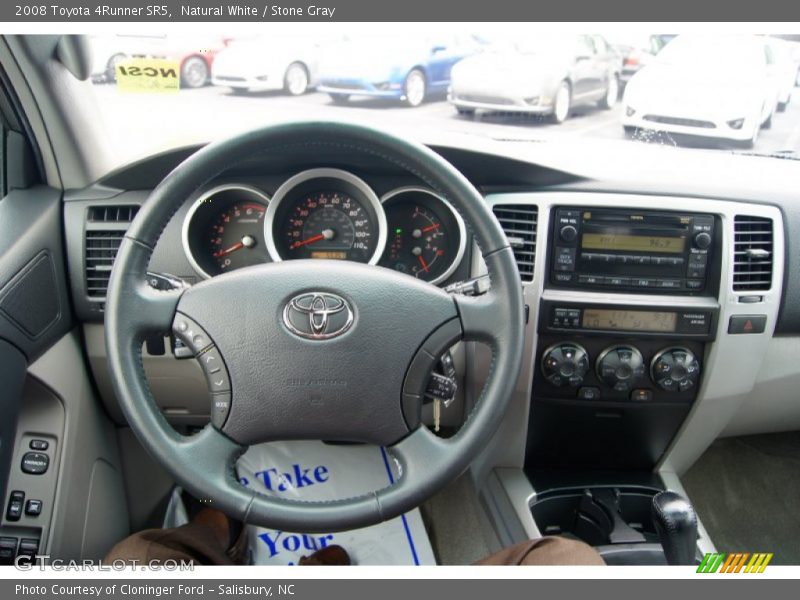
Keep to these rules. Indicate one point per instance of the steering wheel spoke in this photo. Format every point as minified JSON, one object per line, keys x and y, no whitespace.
{"x":156,"y":308}
{"x":491,"y":317}
{"x":480,"y":316}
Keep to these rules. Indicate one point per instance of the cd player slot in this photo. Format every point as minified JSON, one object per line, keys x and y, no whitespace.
{"x":649,"y":252}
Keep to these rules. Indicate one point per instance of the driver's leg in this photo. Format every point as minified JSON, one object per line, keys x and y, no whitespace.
{"x":205,"y":540}
{"x":546,"y":551}
{"x":210,"y":538}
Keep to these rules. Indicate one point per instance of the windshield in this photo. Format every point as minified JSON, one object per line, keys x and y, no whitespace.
{"x":717,"y":93}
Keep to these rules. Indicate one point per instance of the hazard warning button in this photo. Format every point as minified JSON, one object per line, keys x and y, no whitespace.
{"x":747,"y":324}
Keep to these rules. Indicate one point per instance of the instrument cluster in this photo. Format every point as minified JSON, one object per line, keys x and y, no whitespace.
{"x":327,"y":214}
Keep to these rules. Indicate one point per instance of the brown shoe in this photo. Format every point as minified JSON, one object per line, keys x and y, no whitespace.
{"x":230,"y":533}
{"x":330,"y":555}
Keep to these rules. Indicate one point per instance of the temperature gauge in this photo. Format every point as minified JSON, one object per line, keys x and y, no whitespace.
{"x":425,"y":238}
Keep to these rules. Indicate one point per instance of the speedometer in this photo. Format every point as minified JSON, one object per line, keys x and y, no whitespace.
{"x":329,"y":224}
{"x":325,"y":214}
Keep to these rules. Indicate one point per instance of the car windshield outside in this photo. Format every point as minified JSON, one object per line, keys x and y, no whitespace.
{"x":715,"y":92}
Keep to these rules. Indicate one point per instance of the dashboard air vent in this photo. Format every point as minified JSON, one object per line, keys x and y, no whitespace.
{"x":752,"y":260}
{"x":519,"y":223}
{"x":113,"y":214}
{"x":101,"y":250}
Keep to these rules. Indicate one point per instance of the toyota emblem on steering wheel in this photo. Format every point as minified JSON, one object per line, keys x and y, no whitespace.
{"x":318,"y":315}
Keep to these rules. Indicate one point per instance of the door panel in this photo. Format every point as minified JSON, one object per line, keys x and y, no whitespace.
{"x":12,"y":378}
{"x":34,"y":303}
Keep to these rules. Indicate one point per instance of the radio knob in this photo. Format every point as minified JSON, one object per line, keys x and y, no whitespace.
{"x":702,"y":240}
{"x":620,"y":367}
{"x":565,"y":364}
{"x":675,"y":369}
{"x":568,"y":233}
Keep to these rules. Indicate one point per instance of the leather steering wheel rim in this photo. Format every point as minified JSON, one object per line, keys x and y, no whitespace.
{"x":204,"y":463}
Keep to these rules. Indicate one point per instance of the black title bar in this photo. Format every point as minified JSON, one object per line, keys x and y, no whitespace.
{"x":162,"y":11}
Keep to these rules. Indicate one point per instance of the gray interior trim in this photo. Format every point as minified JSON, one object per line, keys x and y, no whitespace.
{"x":774,"y":403}
{"x":88,"y":438}
{"x":41,"y":418}
{"x":31,"y":237}
{"x":12,"y":375}
{"x":14,"y":71}
{"x":507,"y":498}
{"x":62,"y":110}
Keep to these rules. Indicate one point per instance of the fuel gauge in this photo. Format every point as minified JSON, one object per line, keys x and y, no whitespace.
{"x":426,"y":236}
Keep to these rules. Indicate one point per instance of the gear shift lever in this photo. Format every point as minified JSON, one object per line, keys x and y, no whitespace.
{"x":676,"y":524}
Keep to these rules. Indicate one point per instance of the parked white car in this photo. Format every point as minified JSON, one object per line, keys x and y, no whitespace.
{"x":543,"y":75}
{"x":721,"y":87}
{"x":785,"y":68}
{"x":266,"y":64}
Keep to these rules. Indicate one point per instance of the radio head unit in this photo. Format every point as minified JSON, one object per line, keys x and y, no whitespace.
{"x":642,"y":251}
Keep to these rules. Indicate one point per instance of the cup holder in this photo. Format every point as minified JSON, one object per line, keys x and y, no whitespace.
{"x":598,"y":516}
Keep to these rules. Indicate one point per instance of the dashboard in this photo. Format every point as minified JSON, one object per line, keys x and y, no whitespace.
{"x":324,"y":213}
{"x":656,"y":318}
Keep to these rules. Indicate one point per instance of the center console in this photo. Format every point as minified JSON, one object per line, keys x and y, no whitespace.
{"x":615,"y":374}
{"x":650,"y":317}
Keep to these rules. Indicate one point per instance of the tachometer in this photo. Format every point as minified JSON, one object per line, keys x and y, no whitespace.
{"x":426,"y":236}
{"x":234,"y":236}
{"x":224,"y":229}
{"x":326,"y":214}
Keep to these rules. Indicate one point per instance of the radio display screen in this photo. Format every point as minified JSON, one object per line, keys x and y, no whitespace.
{"x":632,"y":243}
{"x":629,"y":320}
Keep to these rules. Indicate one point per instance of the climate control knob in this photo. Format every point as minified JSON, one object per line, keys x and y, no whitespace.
{"x":565,"y":364}
{"x":620,"y":367}
{"x":675,"y":369}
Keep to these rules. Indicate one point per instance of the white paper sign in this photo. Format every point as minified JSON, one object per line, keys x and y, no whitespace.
{"x":310,"y":470}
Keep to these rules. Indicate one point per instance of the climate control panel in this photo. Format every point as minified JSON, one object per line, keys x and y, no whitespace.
{"x":620,"y":367}
{"x":600,"y":369}
{"x":675,"y":369}
{"x":565,"y":364}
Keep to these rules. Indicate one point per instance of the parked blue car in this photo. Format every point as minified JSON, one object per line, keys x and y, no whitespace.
{"x":402,"y":69}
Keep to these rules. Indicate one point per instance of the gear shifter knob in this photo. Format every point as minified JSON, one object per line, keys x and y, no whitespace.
{"x":676,"y":524}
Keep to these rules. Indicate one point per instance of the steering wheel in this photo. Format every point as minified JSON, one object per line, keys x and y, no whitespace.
{"x":313,"y":349}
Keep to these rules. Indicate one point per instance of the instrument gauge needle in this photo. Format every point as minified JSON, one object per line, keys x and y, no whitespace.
{"x":247,"y":241}
{"x":327,"y":234}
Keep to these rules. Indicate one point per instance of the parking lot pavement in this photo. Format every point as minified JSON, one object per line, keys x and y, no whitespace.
{"x":142,"y":124}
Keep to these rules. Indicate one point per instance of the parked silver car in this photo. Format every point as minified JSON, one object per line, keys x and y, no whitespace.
{"x":543,"y":75}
